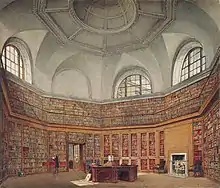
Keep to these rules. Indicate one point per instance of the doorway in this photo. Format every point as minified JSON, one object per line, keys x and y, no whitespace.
{"x":178,"y":165}
{"x":75,"y":157}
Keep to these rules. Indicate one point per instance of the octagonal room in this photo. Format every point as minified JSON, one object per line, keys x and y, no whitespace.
{"x":109,"y":93}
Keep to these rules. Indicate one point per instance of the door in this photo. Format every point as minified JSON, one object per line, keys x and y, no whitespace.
{"x":75,"y":157}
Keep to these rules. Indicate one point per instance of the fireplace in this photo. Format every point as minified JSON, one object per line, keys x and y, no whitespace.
{"x":178,"y":165}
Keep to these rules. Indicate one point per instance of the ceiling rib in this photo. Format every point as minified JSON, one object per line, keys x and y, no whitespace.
{"x":140,"y":35}
{"x":152,"y":14}
{"x":56,"y":10}
{"x":75,"y":34}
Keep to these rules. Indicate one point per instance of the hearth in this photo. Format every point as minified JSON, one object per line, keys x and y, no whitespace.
{"x":178,"y":165}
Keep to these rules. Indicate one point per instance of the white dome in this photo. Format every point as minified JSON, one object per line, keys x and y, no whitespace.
{"x":105,"y":16}
{"x":106,"y":27}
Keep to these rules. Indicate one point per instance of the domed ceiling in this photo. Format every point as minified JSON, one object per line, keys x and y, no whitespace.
{"x":105,"y":27}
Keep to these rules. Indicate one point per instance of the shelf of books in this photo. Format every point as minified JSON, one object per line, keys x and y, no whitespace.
{"x":14,"y":148}
{"x":28,"y":148}
{"x":152,"y":151}
{"x":3,"y":149}
{"x":211,"y":144}
{"x":144,"y":149}
{"x":41,"y":150}
{"x":115,"y":145}
{"x":89,"y":147}
{"x":197,"y":140}
{"x":107,"y":147}
{"x":133,"y":145}
{"x":97,"y":147}
{"x":161,"y":143}
{"x":125,"y":145}
{"x":57,"y":146}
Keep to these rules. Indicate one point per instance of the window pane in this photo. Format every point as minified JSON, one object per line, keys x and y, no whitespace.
{"x":134,"y":85}
{"x":195,"y":63}
{"x":203,"y":60}
{"x":3,"y":61}
{"x":185,"y":64}
{"x":21,"y":62}
{"x":191,"y":73}
{"x":12,"y":61}
{"x":21,"y":72}
{"x":122,"y":83}
{"x":137,"y":90}
{"x":196,"y":57}
{"x":121,"y":92}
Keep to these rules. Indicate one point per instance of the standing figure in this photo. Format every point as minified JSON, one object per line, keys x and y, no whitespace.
{"x":56,"y":165}
{"x":197,"y":168}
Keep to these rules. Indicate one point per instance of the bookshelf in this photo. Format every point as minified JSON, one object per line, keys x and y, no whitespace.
{"x":133,"y":145}
{"x":125,"y":145}
{"x":57,"y":146}
{"x":161,"y":143}
{"x":14,"y":148}
{"x":4,"y":155}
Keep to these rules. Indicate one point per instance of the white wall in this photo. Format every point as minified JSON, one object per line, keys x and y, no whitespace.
{"x":77,"y":84}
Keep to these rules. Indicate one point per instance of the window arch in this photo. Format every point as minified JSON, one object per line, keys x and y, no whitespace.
{"x":194,"y":63}
{"x":12,"y":61}
{"x":132,"y":81}
{"x":189,"y":61}
{"x":16,"y":59}
{"x":134,"y":85}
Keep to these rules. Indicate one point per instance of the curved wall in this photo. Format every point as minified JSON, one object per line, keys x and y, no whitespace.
{"x":149,"y":111}
{"x":103,"y":128}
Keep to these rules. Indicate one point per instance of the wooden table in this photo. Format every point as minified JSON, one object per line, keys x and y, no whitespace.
{"x":127,"y":173}
{"x":114,"y":173}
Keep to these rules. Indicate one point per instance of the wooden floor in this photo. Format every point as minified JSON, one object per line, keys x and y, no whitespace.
{"x":144,"y":181}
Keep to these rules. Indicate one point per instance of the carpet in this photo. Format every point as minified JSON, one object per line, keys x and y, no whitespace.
{"x":83,"y":182}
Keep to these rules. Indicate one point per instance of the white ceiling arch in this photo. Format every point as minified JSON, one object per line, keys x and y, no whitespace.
{"x":211,"y":7}
{"x":79,"y":85}
{"x":72,"y":64}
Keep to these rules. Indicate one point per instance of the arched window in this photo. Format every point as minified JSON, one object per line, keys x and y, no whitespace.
{"x":12,"y":61}
{"x":134,"y":85}
{"x":16,"y":59}
{"x":194,"y":63}
{"x":189,"y":60}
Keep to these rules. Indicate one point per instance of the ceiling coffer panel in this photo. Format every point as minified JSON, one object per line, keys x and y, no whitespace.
{"x":106,"y":26}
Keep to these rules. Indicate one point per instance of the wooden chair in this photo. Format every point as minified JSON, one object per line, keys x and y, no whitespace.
{"x":160,"y":168}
